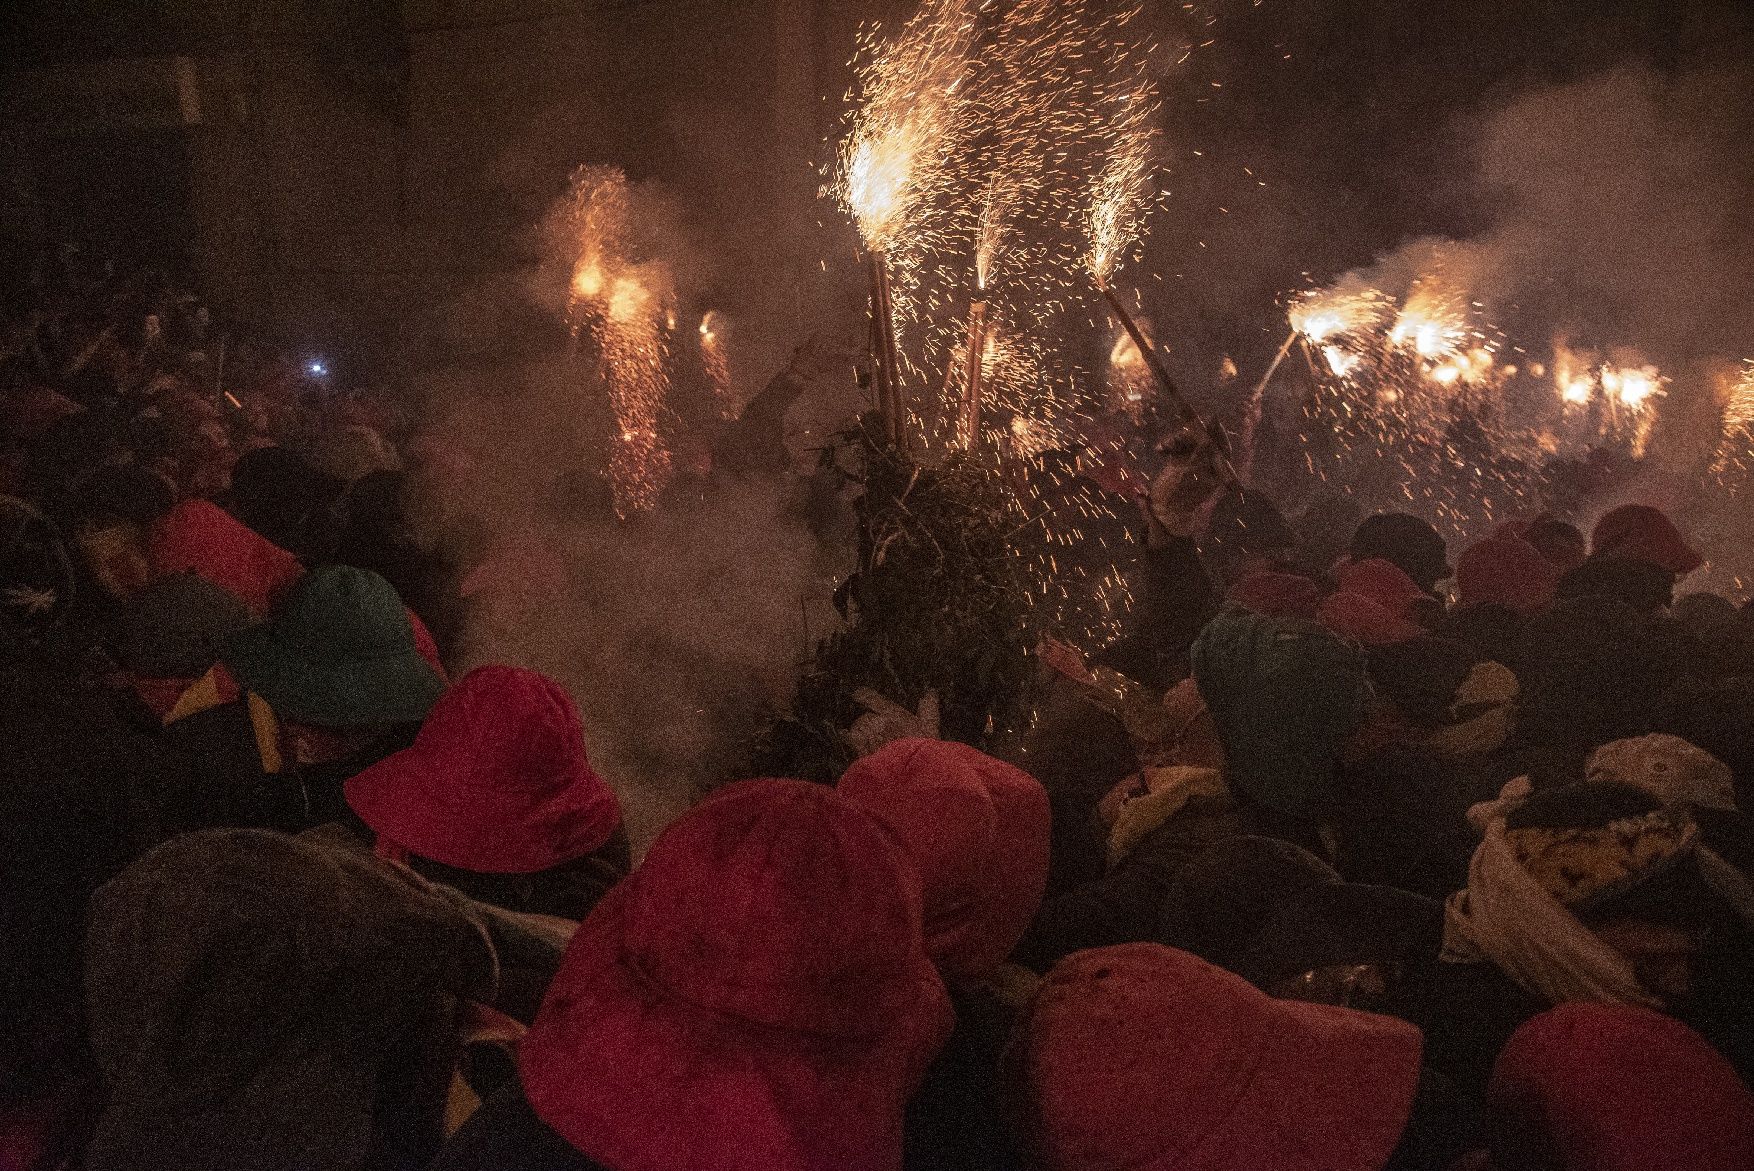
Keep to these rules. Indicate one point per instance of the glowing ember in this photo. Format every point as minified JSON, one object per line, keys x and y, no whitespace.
{"x":1429,"y":327}
{"x":895,"y":157}
{"x":1339,"y":361}
{"x":1331,"y":313}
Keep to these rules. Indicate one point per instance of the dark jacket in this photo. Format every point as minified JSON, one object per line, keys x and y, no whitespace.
{"x":1468,"y":1013}
{"x":956,"y":1120}
{"x":1124,"y":905}
{"x":78,"y":803}
{"x":1175,"y":599}
{"x":506,"y":1135}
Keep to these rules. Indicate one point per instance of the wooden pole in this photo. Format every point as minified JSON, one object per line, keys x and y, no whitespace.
{"x":885,"y":360}
{"x":1189,"y":416}
{"x":970,"y":420}
{"x":1251,"y":418}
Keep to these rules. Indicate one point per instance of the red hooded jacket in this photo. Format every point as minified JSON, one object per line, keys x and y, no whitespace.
{"x":197,"y":536}
{"x":1609,"y":1087}
{"x":1144,"y":1058}
{"x":1506,"y":570}
{"x":755,"y":997}
{"x":1638,"y":532}
{"x":976,"y":828}
{"x":497,"y":780}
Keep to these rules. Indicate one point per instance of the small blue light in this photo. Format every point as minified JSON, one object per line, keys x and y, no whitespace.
{"x":317,"y":369}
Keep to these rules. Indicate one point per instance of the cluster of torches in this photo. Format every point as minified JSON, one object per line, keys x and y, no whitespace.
{"x":1000,"y":164}
{"x":1428,"y":355}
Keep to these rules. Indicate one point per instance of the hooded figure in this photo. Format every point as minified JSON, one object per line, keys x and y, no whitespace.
{"x":977,"y":830}
{"x":497,"y":783}
{"x":1406,"y":541}
{"x":342,"y":653}
{"x":1638,"y":532}
{"x":1287,"y":923}
{"x":1144,"y":1058}
{"x":1376,"y":604}
{"x":1599,"y":1087}
{"x":1285,"y":696}
{"x":1505,"y":570}
{"x":197,"y":536}
{"x":755,"y":997}
{"x":282,"y":497}
{"x":1277,"y":595}
{"x":296,"y":1017}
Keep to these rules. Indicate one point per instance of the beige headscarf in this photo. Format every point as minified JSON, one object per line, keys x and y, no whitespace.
{"x":1506,"y":917}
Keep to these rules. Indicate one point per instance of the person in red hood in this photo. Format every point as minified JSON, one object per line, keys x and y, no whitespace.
{"x":1613,"y":1087}
{"x":197,"y":536}
{"x":1276,"y":594}
{"x":1147,"y":1058}
{"x":1636,"y":556}
{"x":1638,"y":532}
{"x":1506,"y":570}
{"x":755,"y":997}
{"x":1377,"y":604}
{"x":497,"y":798}
{"x":1407,"y":541}
{"x":977,"y":830}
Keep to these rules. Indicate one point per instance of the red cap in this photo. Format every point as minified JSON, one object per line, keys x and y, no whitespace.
{"x":1508,"y":571}
{"x":976,"y":828}
{"x":496,"y":782}
{"x":1150,"y":1059}
{"x":755,"y":995}
{"x":1277,"y":595}
{"x":1611,"y":1087}
{"x":199,"y":537}
{"x":1384,"y":583}
{"x":1638,"y":532}
{"x":1364,"y":621}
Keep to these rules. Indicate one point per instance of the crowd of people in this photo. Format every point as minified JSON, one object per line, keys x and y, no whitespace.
{"x":1341,"y":859}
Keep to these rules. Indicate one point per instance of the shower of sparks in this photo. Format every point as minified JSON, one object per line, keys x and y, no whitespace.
{"x":1121,"y":194}
{"x":1005,"y":151}
{"x":1325,"y":315}
{"x":900,"y":153}
{"x":623,"y":306}
{"x":716,"y":362}
{"x":1739,"y":404}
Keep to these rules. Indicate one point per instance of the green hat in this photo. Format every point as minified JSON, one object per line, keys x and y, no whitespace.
{"x":339,"y":654}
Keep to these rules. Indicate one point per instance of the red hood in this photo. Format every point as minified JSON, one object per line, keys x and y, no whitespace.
{"x":497,"y":781}
{"x":754,"y":997}
{"x":1147,"y":1058}
{"x":197,"y":536}
{"x":1638,"y":532}
{"x":1508,"y":571}
{"x":1618,"y":1088}
{"x":976,"y":828}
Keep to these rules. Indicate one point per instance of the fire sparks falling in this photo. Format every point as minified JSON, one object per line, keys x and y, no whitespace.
{"x":969,"y":157}
{"x":716,"y":362}
{"x":1121,"y":194}
{"x":1739,"y":403}
{"x":623,"y":306}
{"x":896,"y":156}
